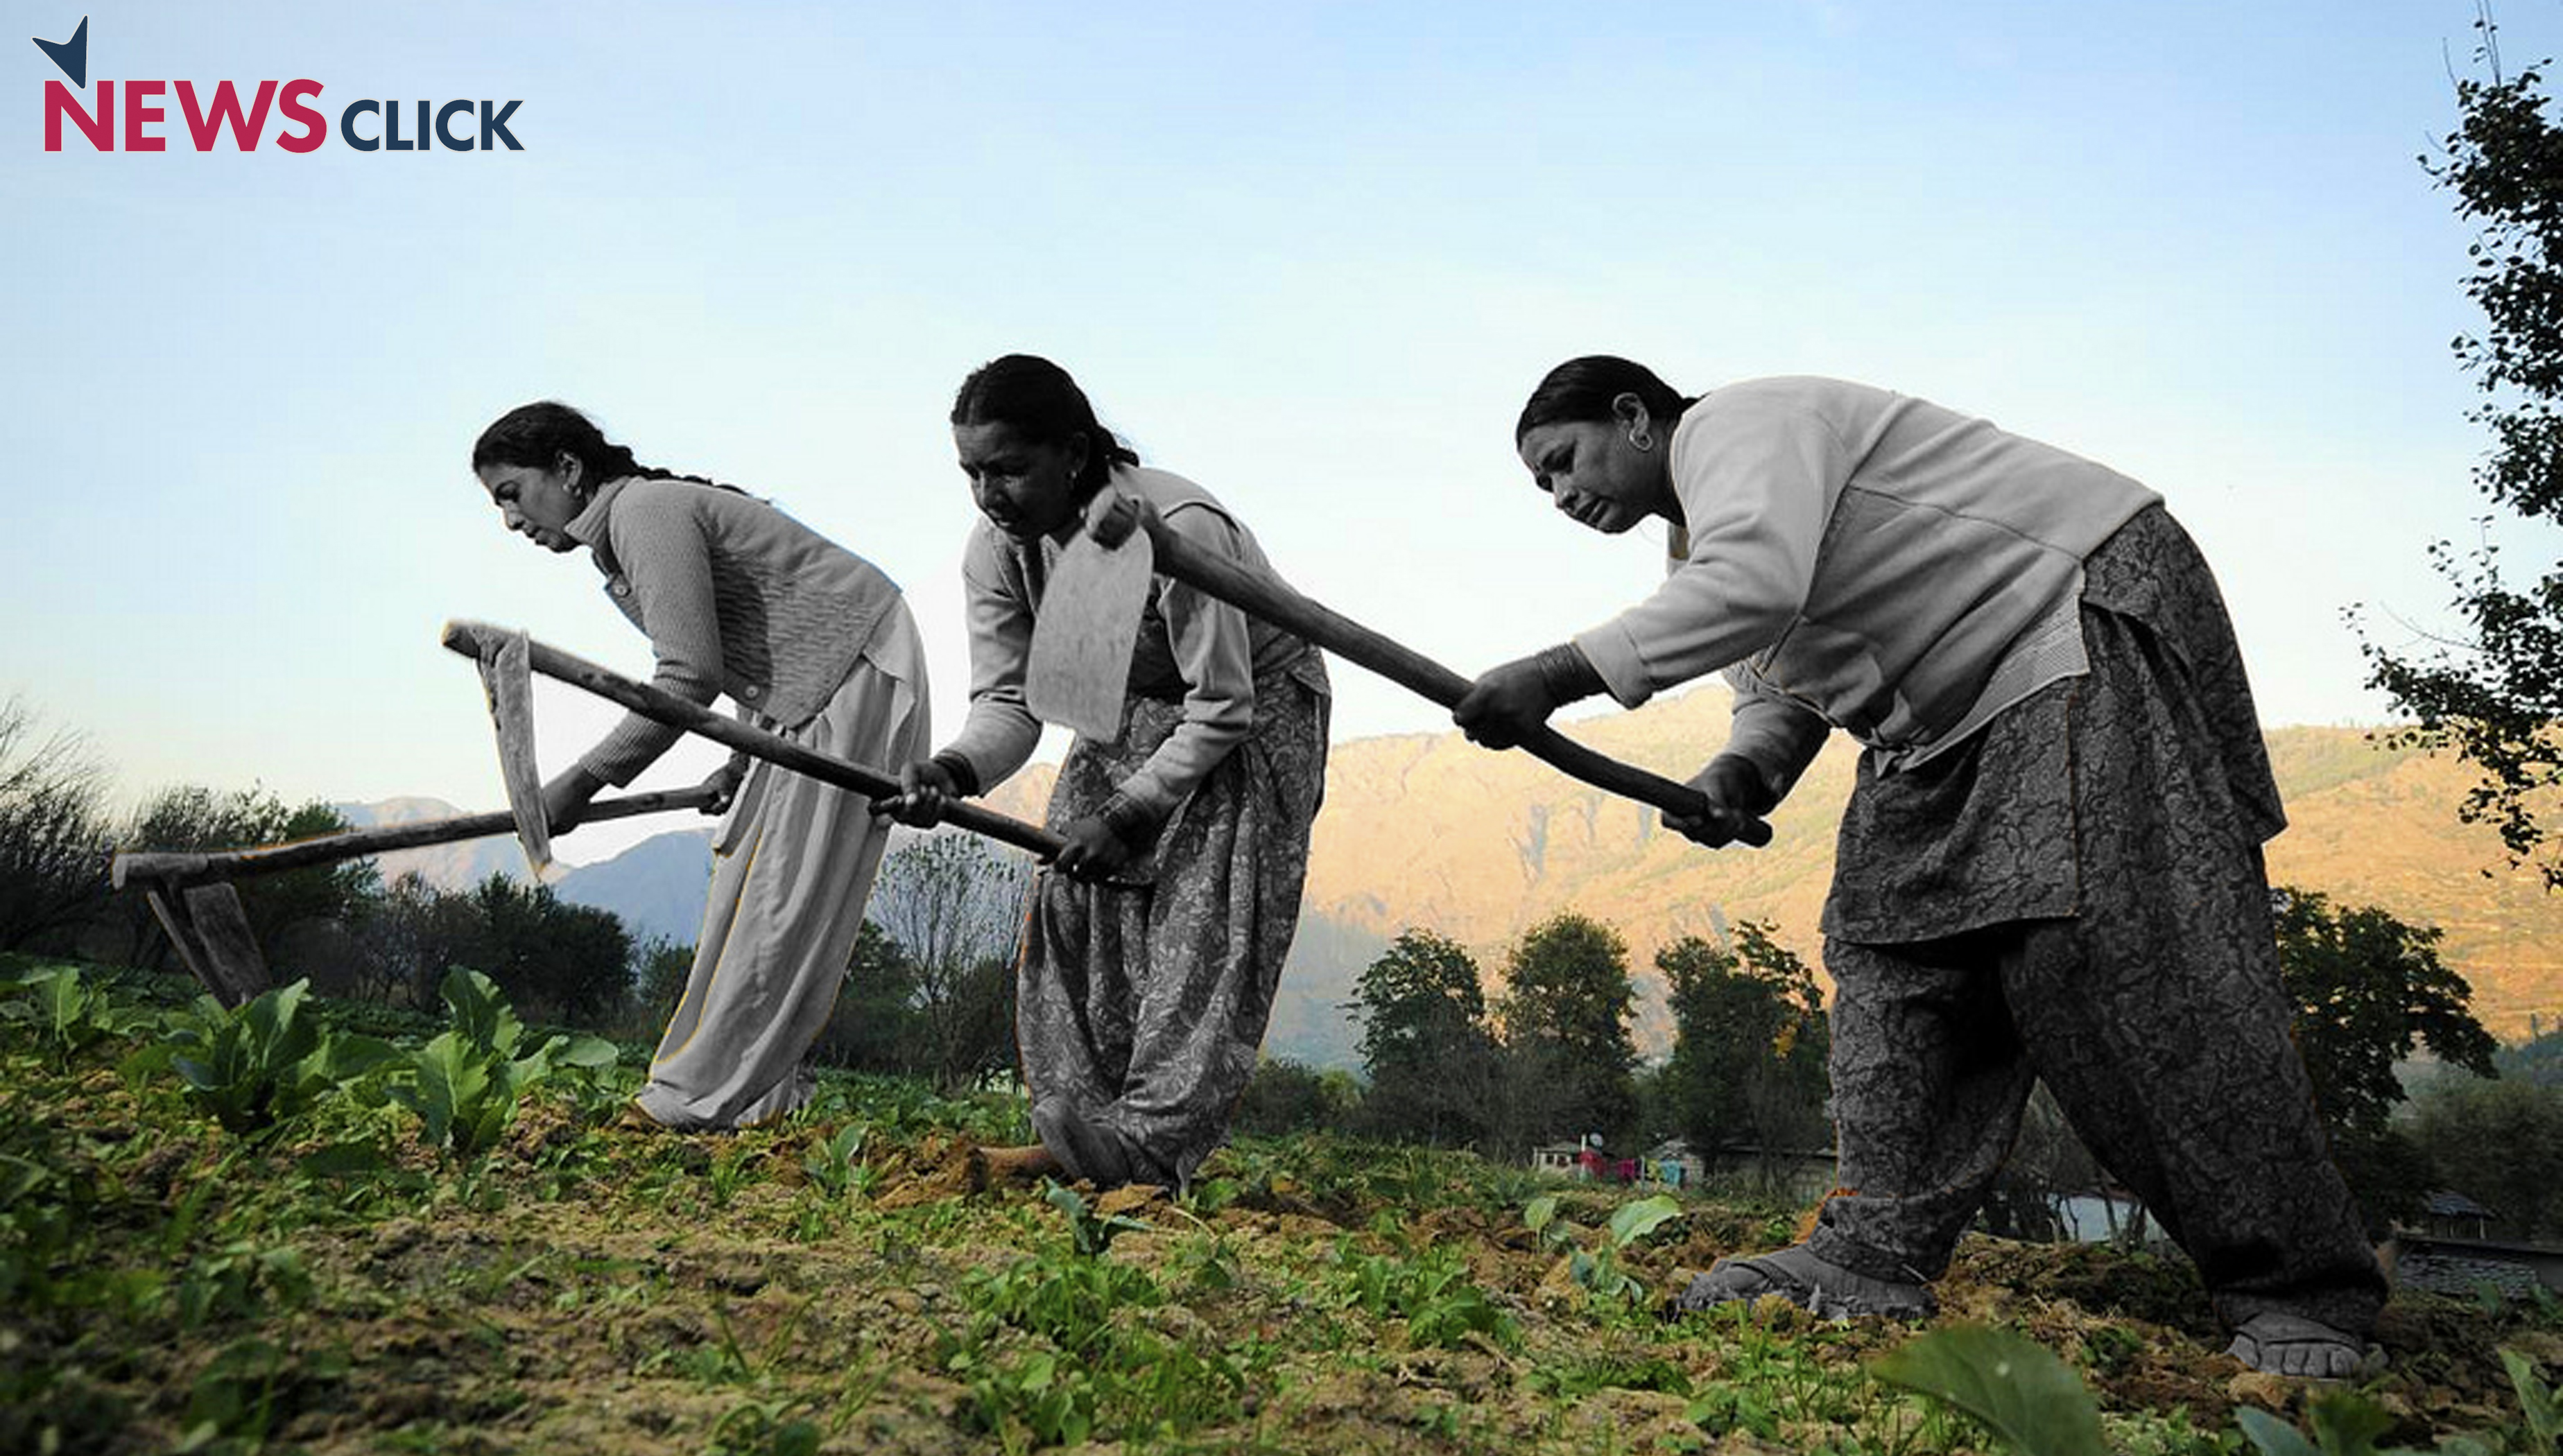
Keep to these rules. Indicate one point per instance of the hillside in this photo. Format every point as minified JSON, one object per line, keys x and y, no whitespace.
{"x":656,"y":887}
{"x":1427,"y":830}
{"x":447,"y":866}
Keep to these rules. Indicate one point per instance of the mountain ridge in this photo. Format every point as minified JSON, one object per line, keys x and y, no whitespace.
{"x":1425,"y":831}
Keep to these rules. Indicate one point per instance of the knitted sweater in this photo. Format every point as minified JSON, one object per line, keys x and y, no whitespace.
{"x":736,"y":597}
{"x":1865,"y":560}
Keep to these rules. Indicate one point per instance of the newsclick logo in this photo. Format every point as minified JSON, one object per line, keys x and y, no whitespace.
{"x":130,"y":115}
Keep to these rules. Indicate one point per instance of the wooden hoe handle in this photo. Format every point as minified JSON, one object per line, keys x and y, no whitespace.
{"x":1269,"y":598}
{"x":474,"y":639}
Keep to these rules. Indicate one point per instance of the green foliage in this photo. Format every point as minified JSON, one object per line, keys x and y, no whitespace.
{"x":1090,"y":1232}
{"x":52,"y":831}
{"x":195,"y":818}
{"x":256,"y":1064}
{"x":659,"y":967}
{"x":1566,"y":1024}
{"x":1103,"y":1371}
{"x":69,"y":1012}
{"x":2497,"y":1142}
{"x":1430,"y":1291}
{"x":1286,"y":1096}
{"x":2344,"y":1422}
{"x":764,"y":1428}
{"x":953,"y":906}
{"x":2537,"y":1402}
{"x":2369,"y":990}
{"x":835,"y":1165}
{"x":171,"y":1286}
{"x":2538,"y":1059}
{"x":464,"y":1084}
{"x":1599,"y":1269}
{"x":1751,"y":1040}
{"x":2014,"y":1385}
{"x":1426,"y":1048}
{"x":2497,"y":697}
{"x":241,"y":1279}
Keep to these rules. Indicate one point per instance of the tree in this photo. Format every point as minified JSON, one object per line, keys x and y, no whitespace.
{"x":1565,"y":1015}
{"x":1286,"y":1096}
{"x":2497,"y":1142}
{"x":52,"y":831}
{"x":409,"y":936}
{"x":1426,"y":1047}
{"x":956,"y":910}
{"x":659,"y":967}
{"x":193,"y":817}
{"x":875,"y":1026}
{"x":2496,"y":696}
{"x":569,"y":961}
{"x":2370,"y":991}
{"x":1751,"y":1040}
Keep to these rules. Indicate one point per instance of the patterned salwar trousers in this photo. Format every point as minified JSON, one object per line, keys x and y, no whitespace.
{"x":2129,"y":804}
{"x":1141,"y":1003}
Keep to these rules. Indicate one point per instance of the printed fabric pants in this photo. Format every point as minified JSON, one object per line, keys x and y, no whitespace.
{"x":2152,"y":1008}
{"x":1141,"y":1003}
{"x":794,"y":867}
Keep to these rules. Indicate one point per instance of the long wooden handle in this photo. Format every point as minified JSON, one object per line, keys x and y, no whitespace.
{"x":188,"y":867}
{"x":1263,"y":595}
{"x":474,"y":639}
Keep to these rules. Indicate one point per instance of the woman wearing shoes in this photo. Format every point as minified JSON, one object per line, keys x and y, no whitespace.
{"x":2050,"y":866}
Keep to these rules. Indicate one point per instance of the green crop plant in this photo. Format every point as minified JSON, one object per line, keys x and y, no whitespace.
{"x":833,"y":1164}
{"x":1599,"y":1269}
{"x":765,"y":1428}
{"x":255,"y":1065}
{"x":2536,"y":1402}
{"x":2012,"y":1384}
{"x":1068,"y":1302}
{"x":1092,"y":1232}
{"x":464,"y":1084}
{"x":68,"y":1013}
{"x":2347,"y":1422}
{"x":1431,"y":1292}
{"x":240,"y":1280}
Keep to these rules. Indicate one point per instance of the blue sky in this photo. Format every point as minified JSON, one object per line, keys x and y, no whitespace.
{"x":1312,"y":255}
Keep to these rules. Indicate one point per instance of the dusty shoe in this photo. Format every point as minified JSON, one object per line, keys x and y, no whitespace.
{"x":2292,"y":1344}
{"x":1827,"y":1291}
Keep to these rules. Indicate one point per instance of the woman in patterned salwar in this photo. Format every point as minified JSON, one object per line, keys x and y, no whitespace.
{"x":2049,"y":865}
{"x":1156,"y":938}
{"x":813,"y":642}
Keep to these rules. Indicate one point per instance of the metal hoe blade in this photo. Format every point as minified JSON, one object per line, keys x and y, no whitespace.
{"x":1083,"y":636}
{"x":509,"y":680}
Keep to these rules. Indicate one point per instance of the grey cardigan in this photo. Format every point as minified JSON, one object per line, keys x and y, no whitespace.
{"x":736,"y":597}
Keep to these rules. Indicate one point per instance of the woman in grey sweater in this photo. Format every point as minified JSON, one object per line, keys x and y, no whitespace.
{"x":1157,"y":936}
{"x":811,"y":641}
{"x":2050,"y":866}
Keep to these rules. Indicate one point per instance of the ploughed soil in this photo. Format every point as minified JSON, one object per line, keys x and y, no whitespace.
{"x":590,"y":1287}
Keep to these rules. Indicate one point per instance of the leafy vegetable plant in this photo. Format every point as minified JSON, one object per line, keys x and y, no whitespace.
{"x":256,"y":1064}
{"x":464,"y":1084}
{"x":1598,"y":1269}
